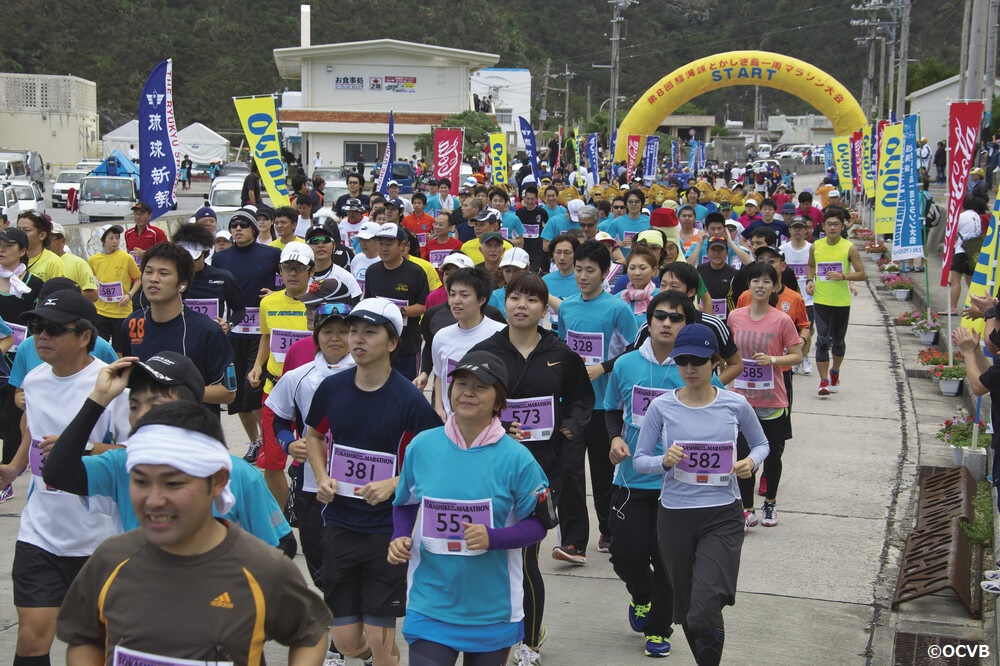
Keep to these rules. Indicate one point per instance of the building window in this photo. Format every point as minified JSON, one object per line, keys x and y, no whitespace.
{"x":368,"y":150}
{"x":505,"y":116}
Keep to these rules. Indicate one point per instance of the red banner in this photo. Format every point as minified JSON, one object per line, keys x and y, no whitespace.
{"x":448,"y":155}
{"x":856,"y":144}
{"x":633,"y":155}
{"x":963,"y":129}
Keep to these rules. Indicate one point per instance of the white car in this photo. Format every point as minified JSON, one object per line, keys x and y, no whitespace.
{"x":20,"y":196}
{"x":788,"y":155}
{"x":67,"y":180}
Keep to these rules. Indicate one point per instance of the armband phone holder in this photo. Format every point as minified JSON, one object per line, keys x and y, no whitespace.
{"x":545,"y":511}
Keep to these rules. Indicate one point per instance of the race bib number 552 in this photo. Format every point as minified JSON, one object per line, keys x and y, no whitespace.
{"x":443,"y":524}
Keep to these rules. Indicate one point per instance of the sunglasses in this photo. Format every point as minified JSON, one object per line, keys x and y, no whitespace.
{"x":328,"y":309}
{"x":618,"y":207}
{"x":289,"y":267}
{"x":240,"y":225}
{"x":37,"y":326}
{"x":588,"y":226}
{"x":696,"y":361}
{"x":319,"y":240}
{"x":675,"y":317}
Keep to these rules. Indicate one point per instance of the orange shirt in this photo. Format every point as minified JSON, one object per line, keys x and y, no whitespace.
{"x":422,"y":224}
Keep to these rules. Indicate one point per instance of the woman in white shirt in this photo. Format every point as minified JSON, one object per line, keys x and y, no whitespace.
{"x":969,"y":226}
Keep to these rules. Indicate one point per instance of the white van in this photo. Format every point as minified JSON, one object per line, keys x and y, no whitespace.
{"x":107,"y":198}
{"x":12,"y":167}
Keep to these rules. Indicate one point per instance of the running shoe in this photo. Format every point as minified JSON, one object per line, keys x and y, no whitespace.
{"x":6,"y":493}
{"x":369,"y":661}
{"x":749,"y":519}
{"x":762,"y":486}
{"x":525,"y":656}
{"x":569,"y":554}
{"x":991,"y":574}
{"x":604,"y":544}
{"x":834,"y":381}
{"x":770,"y":515}
{"x":334,"y":659}
{"x":797,"y":369}
{"x":253,"y":450}
{"x":824,"y":388}
{"x":991,"y":586}
{"x":807,"y":366}
{"x":637,"y":616}
{"x":657,"y":646}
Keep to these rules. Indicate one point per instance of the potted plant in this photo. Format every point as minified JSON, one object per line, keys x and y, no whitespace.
{"x":900,"y":285}
{"x":934,"y":356}
{"x":957,"y":433}
{"x":907,"y":318}
{"x":875,"y":249}
{"x":949,"y":378}
{"x":927,"y":329}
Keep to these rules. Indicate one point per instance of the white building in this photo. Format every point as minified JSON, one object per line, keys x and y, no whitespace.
{"x":932,"y":105}
{"x":510,"y":92}
{"x":812,"y":129}
{"x":54,"y":115}
{"x":348,"y":89}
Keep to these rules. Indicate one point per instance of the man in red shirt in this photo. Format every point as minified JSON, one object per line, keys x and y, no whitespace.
{"x":419,"y":222}
{"x":440,"y":241}
{"x":810,"y":212}
{"x":143,"y":235}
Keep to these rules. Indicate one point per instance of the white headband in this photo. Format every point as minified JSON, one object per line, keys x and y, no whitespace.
{"x":191,"y":452}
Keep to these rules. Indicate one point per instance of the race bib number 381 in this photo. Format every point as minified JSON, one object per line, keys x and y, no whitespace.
{"x":442,"y":524}
{"x":353,"y":469}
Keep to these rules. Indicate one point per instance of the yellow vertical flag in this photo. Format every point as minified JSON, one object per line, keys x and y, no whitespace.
{"x":842,"y":159}
{"x":259,"y":118}
{"x":890,"y":163}
{"x":867,"y":164}
{"x":498,"y":158}
{"x":984,"y":282}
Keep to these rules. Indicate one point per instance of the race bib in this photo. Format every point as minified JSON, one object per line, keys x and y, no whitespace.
{"x":824,"y":267}
{"x":422,"y":239}
{"x":436,"y":257}
{"x":532,"y":230}
{"x":799,"y":269}
{"x":250,"y":322}
{"x":18,"y":332}
{"x":719,"y":307}
{"x":588,"y":346}
{"x":755,"y":377}
{"x":110,"y":292}
{"x":401,"y":303}
{"x":125,"y":657}
{"x":629,"y":235}
{"x":35,"y":457}
{"x":642,"y":396}
{"x":282,"y":340}
{"x":504,"y":233}
{"x":706,"y":464}
{"x":442,"y":531}
{"x":355,"y":468}
{"x":278,"y":282}
{"x":207,"y":306}
{"x":536,"y":416}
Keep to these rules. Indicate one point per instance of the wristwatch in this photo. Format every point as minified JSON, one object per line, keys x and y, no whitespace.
{"x":88,"y":449}
{"x":991,"y":313}
{"x":774,"y":360}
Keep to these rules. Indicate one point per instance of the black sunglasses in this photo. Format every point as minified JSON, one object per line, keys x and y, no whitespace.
{"x":676,"y":317}
{"x":617,"y":207}
{"x":36,"y":326}
{"x":240,"y":225}
{"x":696,"y":361}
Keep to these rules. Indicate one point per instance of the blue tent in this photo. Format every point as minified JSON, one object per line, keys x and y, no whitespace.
{"x":117,"y":164}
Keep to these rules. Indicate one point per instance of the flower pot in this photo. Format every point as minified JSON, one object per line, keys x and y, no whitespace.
{"x":974,"y":460}
{"x":956,"y":452}
{"x":901,"y":294}
{"x":950,"y":387}
{"x":935,"y":379}
{"x":875,"y":256}
{"x":928,"y":337}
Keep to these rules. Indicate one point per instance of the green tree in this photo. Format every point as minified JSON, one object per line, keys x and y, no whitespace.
{"x":478,"y":127}
{"x":927,"y":72}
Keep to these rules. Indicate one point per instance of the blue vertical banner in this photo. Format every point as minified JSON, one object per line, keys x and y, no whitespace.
{"x":614,"y":140}
{"x":828,"y":155}
{"x":528,"y":136}
{"x":650,"y":157}
{"x":693,"y":157}
{"x":159,"y":147}
{"x":673,"y":154}
{"x":907,"y":237}
{"x":595,"y":166}
{"x":701,"y":156}
{"x":388,"y":158}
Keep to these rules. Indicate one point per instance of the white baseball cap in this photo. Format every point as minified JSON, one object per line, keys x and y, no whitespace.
{"x":378,"y":311}
{"x":300,"y":252}
{"x":459,"y":260}
{"x":367,"y":230}
{"x":515,"y":256}
{"x":574,"y":206}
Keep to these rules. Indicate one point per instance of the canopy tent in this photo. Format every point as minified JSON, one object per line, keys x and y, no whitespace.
{"x":117,"y":164}
{"x":202,"y":145}
{"x":121,"y":138}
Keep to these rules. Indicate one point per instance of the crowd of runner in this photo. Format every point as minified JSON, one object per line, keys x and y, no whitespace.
{"x":424,"y":385}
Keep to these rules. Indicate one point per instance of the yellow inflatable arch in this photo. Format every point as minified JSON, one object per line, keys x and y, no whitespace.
{"x":741,"y":68}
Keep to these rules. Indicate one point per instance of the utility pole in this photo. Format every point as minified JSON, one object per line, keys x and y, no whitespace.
{"x":616,"y":20}
{"x":977,"y":47}
{"x":566,"y":105}
{"x":904,"y":53}
{"x":881,"y":83}
{"x":756,"y":116}
{"x":588,"y":101}
{"x":963,"y":65}
{"x":545,"y":91}
{"x":991,"y":52}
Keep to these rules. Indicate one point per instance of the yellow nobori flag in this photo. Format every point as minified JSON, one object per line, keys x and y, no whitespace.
{"x":984,"y":282}
{"x":867,"y":163}
{"x":498,"y":158}
{"x":259,"y":118}
{"x":890,"y":163}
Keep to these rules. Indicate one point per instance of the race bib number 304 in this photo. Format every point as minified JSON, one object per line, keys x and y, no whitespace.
{"x":536,"y":416}
{"x":442,"y":524}
{"x":353,"y":469}
{"x":250,"y":322}
{"x":706,"y":464}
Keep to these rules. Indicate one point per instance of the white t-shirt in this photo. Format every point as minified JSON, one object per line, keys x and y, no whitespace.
{"x":302,"y":225}
{"x":968,"y":227}
{"x":61,"y":523}
{"x":795,"y":258}
{"x":348,"y":231}
{"x":295,"y":391}
{"x":360,"y":264}
{"x":451,"y":343}
{"x":344,"y":276}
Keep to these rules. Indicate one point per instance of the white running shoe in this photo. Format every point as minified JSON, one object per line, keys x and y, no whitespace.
{"x":525,"y":656}
{"x":334,"y":659}
{"x":806,"y":366}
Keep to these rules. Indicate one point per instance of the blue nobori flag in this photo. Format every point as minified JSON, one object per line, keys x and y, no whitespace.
{"x":650,"y":157}
{"x":828,"y":155}
{"x":701,"y":156}
{"x":159,"y":148}
{"x":693,"y":157}
{"x":388,"y":159}
{"x":673,"y":154}
{"x":907,"y":238}
{"x":528,"y":136}
{"x":595,"y":167}
{"x":614,"y":140}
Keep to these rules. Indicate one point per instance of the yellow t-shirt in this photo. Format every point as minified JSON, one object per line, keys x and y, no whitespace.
{"x":46,"y":266}
{"x":281,"y":245}
{"x":470,"y":248}
{"x":117,"y":267}
{"x":280,"y":317}
{"x":433,"y":279}
{"x":79,"y":271}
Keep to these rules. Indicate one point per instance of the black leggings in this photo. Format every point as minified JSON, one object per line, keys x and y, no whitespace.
{"x":775,"y":430}
{"x":426,"y":653}
{"x":831,"y":330}
{"x":534,"y":596}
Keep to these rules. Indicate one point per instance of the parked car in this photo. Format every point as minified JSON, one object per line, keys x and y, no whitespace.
{"x":34,"y":167}
{"x":64,"y":182}
{"x":12,"y":167}
{"x":235,"y":169}
{"x":788,"y":155}
{"x":27,"y":196}
{"x":88,"y":164}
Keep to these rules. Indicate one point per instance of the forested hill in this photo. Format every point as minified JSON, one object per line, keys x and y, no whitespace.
{"x":222,"y":48}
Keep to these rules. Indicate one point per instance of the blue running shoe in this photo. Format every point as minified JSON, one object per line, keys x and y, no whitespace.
{"x":657,"y":646}
{"x":637,"y":616}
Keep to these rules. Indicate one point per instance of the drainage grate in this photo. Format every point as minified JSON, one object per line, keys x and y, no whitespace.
{"x":945,"y":496}
{"x":913,"y":649}
{"x":918,"y":373}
